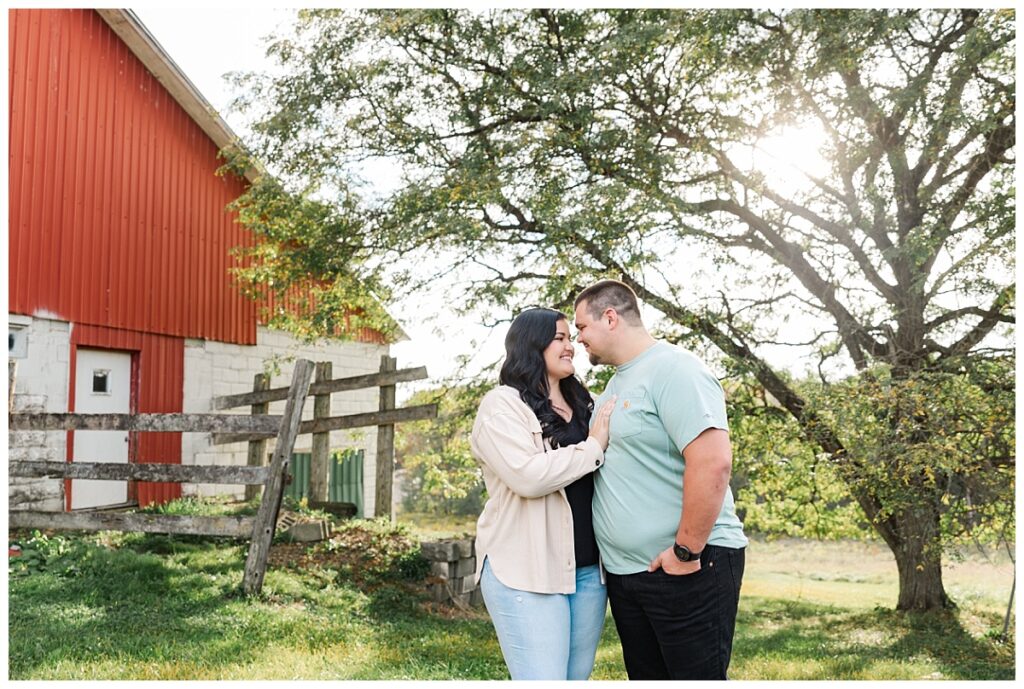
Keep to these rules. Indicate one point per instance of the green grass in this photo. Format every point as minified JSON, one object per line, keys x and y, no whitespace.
{"x":128,"y":606}
{"x":825,"y":610}
{"x":428,"y":527}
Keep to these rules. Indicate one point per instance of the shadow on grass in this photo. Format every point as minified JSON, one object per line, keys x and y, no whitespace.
{"x":124,"y":607}
{"x":847,"y":644}
{"x":959,"y":654}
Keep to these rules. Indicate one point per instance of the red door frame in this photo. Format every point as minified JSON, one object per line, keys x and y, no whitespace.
{"x":157,"y":387}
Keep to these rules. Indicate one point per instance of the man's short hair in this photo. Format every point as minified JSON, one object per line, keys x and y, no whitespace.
{"x":611,"y":294}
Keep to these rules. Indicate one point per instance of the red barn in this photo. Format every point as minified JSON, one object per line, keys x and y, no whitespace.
{"x":119,"y":255}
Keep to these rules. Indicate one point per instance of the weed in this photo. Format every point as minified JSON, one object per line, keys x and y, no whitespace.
{"x":63,"y":556}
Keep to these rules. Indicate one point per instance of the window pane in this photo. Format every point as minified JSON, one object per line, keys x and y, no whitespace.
{"x":101,"y":381}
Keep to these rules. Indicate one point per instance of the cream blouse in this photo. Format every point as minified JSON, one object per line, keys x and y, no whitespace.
{"x":525,"y":529}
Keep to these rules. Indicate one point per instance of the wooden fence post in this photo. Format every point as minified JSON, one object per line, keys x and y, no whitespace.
{"x":385,"y":445}
{"x":258,"y":448}
{"x":266,"y":517}
{"x":319,"y":461}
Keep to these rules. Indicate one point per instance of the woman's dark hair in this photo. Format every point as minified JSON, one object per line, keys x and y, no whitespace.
{"x":524,"y":369}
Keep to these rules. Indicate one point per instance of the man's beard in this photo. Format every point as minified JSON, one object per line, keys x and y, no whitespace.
{"x":595,"y":360}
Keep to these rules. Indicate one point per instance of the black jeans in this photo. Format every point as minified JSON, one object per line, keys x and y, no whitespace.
{"x":679,"y":627}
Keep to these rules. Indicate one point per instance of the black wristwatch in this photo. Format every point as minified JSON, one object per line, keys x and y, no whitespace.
{"x":683,"y":554}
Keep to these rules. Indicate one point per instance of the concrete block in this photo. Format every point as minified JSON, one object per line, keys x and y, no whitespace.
{"x":439,"y":551}
{"x":24,"y":492}
{"x":476,"y":598}
{"x":42,"y":454}
{"x":465,"y":547}
{"x":29,"y":404}
{"x":440,"y":569}
{"x":309,"y":531}
{"x":48,"y":505}
{"x":464,"y":584}
{"x":438,"y":593}
{"x":218,"y":389}
{"x":465,"y":567}
{"x":27,"y":438}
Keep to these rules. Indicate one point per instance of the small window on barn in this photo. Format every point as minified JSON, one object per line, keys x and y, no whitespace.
{"x":101,"y":382}
{"x":17,"y":342}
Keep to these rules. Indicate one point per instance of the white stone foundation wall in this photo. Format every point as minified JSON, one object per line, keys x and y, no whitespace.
{"x":213,"y":369}
{"x":41,"y":386}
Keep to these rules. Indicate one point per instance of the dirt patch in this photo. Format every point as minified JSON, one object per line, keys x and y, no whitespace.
{"x":288,"y":555}
{"x":363,"y":555}
{"x":450,"y":611}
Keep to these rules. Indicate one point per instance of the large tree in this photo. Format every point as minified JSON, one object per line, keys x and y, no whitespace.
{"x":537,"y":150}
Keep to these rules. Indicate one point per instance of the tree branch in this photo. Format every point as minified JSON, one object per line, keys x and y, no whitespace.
{"x":968,"y":311}
{"x":988,"y":322}
{"x":854,"y":337}
{"x":839,"y":232}
{"x":999,"y":140}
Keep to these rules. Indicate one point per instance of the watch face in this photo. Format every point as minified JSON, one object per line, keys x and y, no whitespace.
{"x":682,"y":552}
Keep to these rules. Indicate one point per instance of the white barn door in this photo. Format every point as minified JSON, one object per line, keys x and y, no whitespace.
{"x":102,"y":386}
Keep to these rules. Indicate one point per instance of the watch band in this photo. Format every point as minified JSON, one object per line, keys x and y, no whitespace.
{"x":684,"y":554}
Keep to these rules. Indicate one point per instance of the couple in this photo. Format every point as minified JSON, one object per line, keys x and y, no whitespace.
{"x":588,"y":507}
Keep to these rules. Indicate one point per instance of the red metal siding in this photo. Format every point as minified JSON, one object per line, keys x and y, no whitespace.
{"x":158,"y":365}
{"x":292,"y":302}
{"x":116,"y":216}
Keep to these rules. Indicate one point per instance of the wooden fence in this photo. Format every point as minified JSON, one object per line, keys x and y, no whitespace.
{"x":323,"y":423}
{"x":256,"y":427}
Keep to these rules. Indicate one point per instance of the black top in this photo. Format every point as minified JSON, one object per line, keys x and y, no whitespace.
{"x":581,"y":494}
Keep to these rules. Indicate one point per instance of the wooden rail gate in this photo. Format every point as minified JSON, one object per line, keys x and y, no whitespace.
{"x":256,"y":427}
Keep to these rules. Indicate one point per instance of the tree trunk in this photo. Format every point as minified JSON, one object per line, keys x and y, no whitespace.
{"x":919,"y":561}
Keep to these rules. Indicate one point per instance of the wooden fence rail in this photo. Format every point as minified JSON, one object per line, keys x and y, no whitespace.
{"x":337,"y":423}
{"x":161,"y":473}
{"x":236,"y":527}
{"x":187,"y":423}
{"x":370,"y":380}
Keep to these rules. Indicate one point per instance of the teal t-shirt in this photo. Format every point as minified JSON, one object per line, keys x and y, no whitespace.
{"x":666,"y":398}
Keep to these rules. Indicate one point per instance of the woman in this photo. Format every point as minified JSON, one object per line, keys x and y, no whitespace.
{"x":537,"y":560}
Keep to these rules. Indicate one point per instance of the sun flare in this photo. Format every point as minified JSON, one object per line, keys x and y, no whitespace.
{"x":789,"y":155}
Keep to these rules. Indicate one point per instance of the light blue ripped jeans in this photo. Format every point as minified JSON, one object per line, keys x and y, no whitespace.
{"x":547,"y":635}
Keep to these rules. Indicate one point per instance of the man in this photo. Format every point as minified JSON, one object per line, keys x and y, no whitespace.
{"x":673,"y":549}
